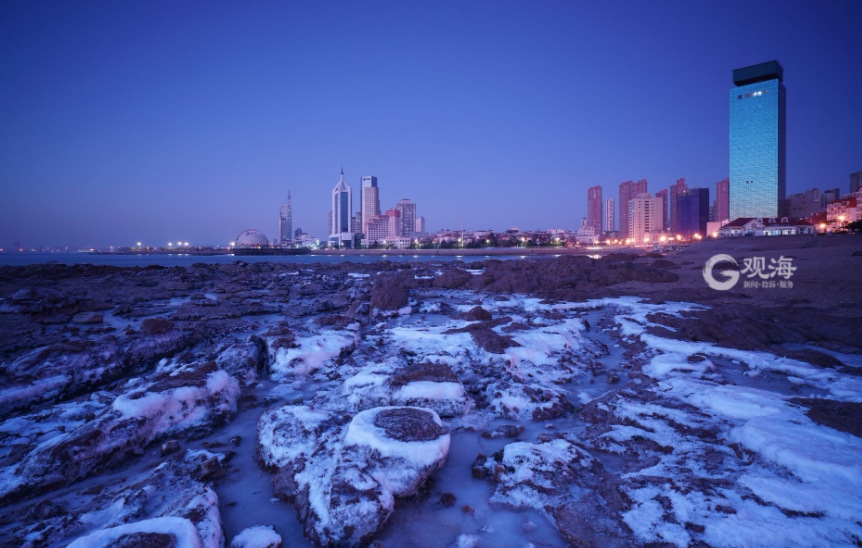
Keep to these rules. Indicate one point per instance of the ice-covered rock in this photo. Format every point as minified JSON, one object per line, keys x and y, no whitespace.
{"x":161,"y":505}
{"x":305,"y":355}
{"x":343,"y":481}
{"x":168,"y":531}
{"x":430,"y":385}
{"x":566,"y":482}
{"x":196,"y":397}
{"x":57,"y":372}
{"x":259,"y":536}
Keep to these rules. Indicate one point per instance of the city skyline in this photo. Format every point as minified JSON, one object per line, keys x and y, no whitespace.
{"x":126,"y":123}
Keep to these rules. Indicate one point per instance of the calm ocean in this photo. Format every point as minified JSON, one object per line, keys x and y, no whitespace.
{"x":21,"y":259}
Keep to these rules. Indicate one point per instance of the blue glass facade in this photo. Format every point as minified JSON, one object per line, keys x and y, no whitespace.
{"x":757,"y":146}
{"x":692,"y":208}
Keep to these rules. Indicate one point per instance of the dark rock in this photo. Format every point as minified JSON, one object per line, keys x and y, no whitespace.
{"x":504,"y":431}
{"x":620,"y":257}
{"x":170,"y":446}
{"x":408,"y":424}
{"x":392,"y":292}
{"x":452,"y":278}
{"x":145,"y":540}
{"x":487,"y":338}
{"x":840,"y":415}
{"x":586,"y":524}
{"x":156,"y":326}
{"x":814,"y":357}
{"x":447,"y":500}
{"x":479,"y":469}
{"x":477,"y":314}
{"x":664,"y":264}
{"x":433,"y":372}
{"x":211,"y":468}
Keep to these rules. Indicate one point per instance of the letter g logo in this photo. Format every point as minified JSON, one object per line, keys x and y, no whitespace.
{"x":732,"y":275}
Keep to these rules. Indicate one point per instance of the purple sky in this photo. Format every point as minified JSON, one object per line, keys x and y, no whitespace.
{"x":157,"y":121}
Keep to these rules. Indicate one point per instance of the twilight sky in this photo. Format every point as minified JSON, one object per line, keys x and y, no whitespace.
{"x":156,"y":121}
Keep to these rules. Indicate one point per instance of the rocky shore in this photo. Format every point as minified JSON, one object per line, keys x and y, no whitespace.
{"x":561,"y":401}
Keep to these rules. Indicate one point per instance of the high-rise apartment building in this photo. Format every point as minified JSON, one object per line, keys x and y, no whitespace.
{"x":804,"y":204}
{"x":594,"y":208}
{"x":342,"y":214}
{"x":285,"y":222}
{"x":420,"y":225}
{"x":370,"y":205}
{"x":722,"y":201}
{"x":629,"y":190}
{"x":757,"y":141}
{"x":829,"y":195}
{"x":855,"y":181}
{"x":644,"y":218}
{"x":609,"y":215}
{"x":407,"y":211}
{"x":396,"y":223}
{"x":664,"y":220}
{"x":675,"y":190}
{"x":692,"y":209}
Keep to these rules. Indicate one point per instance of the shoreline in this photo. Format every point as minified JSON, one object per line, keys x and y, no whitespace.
{"x":489,"y":251}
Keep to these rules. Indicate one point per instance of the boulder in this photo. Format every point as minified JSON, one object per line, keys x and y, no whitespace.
{"x":343,"y":481}
{"x":567,"y":482}
{"x":452,"y":278}
{"x":429,"y":385}
{"x":156,"y":326}
{"x":477,"y":314}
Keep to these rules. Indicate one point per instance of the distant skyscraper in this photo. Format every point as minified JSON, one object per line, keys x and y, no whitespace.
{"x":609,"y":215}
{"x":664,"y":220}
{"x":855,"y":181}
{"x":644,"y":218}
{"x":757,"y":141}
{"x":285,"y":222}
{"x":692,"y":208}
{"x":342,"y":213}
{"x":420,"y":225}
{"x":407,"y":210}
{"x":594,"y":208}
{"x":675,"y":190}
{"x":722,"y":200}
{"x":370,"y":205}
{"x":629,"y":190}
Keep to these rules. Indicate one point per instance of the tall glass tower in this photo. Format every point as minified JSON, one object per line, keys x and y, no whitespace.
{"x":757,"y":141}
{"x":285,"y":222}
{"x":342,"y":214}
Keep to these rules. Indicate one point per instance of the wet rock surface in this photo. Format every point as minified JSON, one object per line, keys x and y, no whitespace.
{"x":508,"y":402}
